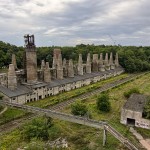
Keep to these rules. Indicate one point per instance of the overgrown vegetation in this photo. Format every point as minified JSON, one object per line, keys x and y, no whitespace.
{"x":127,"y":94}
{"x":38,"y":128}
{"x":83,"y":137}
{"x":146,"y":112}
{"x":11,"y":114}
{"x":79,"y":109}
{"x":103,"y":103}
{"x":132,"y":58}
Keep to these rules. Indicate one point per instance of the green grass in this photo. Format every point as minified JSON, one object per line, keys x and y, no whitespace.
{"x":83,"y":137}
{"x":11,"y":114}
{"x":76,"y":92}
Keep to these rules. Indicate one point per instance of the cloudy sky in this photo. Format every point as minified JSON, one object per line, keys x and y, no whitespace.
{"x":71,"y":22}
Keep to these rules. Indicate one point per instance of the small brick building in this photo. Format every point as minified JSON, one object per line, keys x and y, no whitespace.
{"x":132,"y":112}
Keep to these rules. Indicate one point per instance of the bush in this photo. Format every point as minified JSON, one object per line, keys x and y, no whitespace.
{"x":38,"y":128}
{"x":130,"y":92}
{"x":78,"y":108}
{"x":103,"y":103}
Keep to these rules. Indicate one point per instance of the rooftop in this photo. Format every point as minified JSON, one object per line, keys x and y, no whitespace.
{"x":136,"y":102}
{"x":25,"y":88}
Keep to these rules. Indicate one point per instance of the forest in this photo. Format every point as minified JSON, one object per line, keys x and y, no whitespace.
{"x":132,"y":58}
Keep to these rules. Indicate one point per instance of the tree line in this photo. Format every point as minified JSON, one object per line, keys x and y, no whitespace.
{"x":132,"y":58}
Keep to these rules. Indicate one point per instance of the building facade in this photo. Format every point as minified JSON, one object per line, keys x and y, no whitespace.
{"x":132,"y":112}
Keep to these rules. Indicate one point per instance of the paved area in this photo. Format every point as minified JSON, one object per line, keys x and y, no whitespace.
{"x":145,"y":142}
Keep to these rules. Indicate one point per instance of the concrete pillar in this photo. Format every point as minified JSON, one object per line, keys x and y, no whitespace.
{"x":106,"y":62}
{"x":59,"y":67}
{"x":88,"y":63}
{"x":14,"y":61}
{"x":42,"y":65}
{"x":101,"y":63}
{"x":47,"y":74}
{"x":116,"y":60}
{"x":80,"y":65}
{"x":95,"y":63}
{"x":12,"y":78}
{"x":112,"y":66}
{"x":70,"y":69}
{"x":65,"y":67}
{"x":104,"y":137}
{"x":54,"y":64}
{"x":31,"y":64}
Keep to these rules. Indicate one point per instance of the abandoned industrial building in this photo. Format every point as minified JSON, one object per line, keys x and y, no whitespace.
{"x":132,"y":111}
{"x":32,"y":84}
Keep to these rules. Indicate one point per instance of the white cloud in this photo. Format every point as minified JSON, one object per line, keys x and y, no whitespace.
{"x":67,"y":22}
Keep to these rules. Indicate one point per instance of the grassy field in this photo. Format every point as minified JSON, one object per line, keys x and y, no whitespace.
{"x":12,"y":114}
{"x":82,"y":137}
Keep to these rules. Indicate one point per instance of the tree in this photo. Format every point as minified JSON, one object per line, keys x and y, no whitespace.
{"x":78,"y":108}
{"x":103,"y":103}
{"x":38,"y":128}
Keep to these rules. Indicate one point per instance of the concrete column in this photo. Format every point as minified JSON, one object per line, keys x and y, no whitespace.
{"x":88,"y":63}
{"x":12,"y":78}
{"x":42,"y":65}
{"x":112,"y":66}
{"x":80,"y":65}
{"x":106,"y":62}
{"x":14,"y":61}
{"x":116,"y":60}
{"x":101,"y":63}
{"x":70,"y":69}
{"x":47,"y":74}
{"x":65,"y":67}
{"x":95,"y":63}
{"x":104,"y":137}
{"x":59,"y":67}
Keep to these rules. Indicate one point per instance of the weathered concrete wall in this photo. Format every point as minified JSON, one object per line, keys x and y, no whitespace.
{"x":31,"y":66}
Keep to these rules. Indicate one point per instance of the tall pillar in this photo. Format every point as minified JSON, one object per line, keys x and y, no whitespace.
{"x":112,"y":66}
{"x":116,"y":60}
{"x":31,"y":59}
{"x":12,"y":78}
{"x":88,"y":63}
{"x":95,"y":63}
{"x":70,"y":69}
{"x":106,"y":62}
{"x":59,"y":67}
{"x":80,"y":65}
{"x":65,"y":67}
{"x":101,"y":63}
{"x":104,"y":136}
{"x":47,"y":74}
{"x":42,"y":65}
{"x":14,"y":61}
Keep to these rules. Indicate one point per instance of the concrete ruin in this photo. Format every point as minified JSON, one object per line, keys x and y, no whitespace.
{"x":32,"y":84}
{"x":132,"y":112}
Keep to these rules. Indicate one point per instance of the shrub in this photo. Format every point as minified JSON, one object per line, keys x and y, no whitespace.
{"x":130,"y":92}
{"x":103,"y":103}
{"x":38,"y":128}
{"x":78,"y":108}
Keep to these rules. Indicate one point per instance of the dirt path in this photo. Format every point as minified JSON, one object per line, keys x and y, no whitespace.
{"x":145,"y":142}
{"x":3,"y":110}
